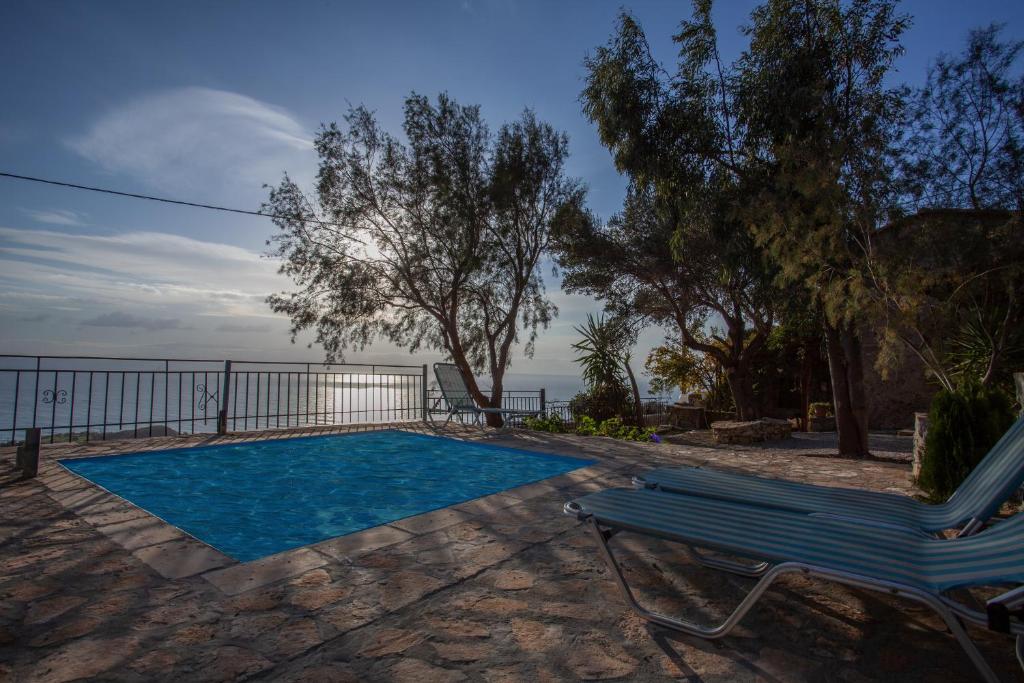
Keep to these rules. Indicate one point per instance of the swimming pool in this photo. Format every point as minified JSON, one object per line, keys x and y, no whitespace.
{"x":253,"y":499}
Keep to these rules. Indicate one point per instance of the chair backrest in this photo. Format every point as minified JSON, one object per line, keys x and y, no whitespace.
{"x":991,"y":557}
{"x":453,"y":386}
{"x":994,"y":479}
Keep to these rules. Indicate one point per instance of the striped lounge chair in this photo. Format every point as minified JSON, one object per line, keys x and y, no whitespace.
{"x":890,"y":560}
{"x":456,"y":394}
{"x":980,"y":496}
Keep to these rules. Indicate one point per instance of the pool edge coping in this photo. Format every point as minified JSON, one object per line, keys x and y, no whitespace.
{"x":176,"y":554}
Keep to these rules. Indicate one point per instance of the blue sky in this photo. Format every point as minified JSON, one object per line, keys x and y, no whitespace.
{"x":208,"y":101}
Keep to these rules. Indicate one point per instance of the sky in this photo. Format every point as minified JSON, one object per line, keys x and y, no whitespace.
{"x":208,"y":102}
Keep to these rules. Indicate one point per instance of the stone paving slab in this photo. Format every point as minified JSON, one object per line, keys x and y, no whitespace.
{"x":504,"y":588}
{"x":431,"y":521}
{"x":180,"y":558}
{"x":361,"y":542}
{"x":258,"y":573}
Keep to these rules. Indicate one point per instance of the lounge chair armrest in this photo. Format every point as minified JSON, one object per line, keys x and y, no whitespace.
{"x":576,"y":510}
{"x":1002,"y":607}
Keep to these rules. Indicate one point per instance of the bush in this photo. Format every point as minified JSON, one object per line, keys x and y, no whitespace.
{"x":962,"y":427}
{"x":602,"y":403}
{"x":586,"y":426}
{"x":551,"y":423}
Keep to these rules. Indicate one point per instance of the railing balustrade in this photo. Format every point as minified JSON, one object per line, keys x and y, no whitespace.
{"x":85,"y":398}
{"x":89,"y":398}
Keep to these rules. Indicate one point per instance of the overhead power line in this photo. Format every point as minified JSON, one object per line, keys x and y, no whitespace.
{"x":165,"y":200}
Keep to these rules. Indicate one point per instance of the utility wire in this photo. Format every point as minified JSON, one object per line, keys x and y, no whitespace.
{"x":172,"y":201}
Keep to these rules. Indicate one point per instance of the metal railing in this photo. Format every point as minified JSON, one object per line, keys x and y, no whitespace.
{"x":87,"y":398}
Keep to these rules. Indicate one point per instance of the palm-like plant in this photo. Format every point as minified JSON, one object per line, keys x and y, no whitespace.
{"x":603,"y":354}
{"x":600,"y":353}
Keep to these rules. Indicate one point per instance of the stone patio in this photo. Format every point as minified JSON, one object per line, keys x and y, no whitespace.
{"x":504,"y":588}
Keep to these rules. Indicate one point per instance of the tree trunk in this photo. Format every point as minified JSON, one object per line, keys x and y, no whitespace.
{"x":484,"y":401}
{"x":741,"y":386}
{"x":806,"y":379}
{"x":638,"y":409}
{"x":493,"y":419}
{"x":849,"y":399}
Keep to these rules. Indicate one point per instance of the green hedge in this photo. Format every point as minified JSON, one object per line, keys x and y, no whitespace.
{"x":962,"y":427}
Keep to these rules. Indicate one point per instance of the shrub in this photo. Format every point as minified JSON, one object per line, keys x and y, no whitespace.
{"x":610,"y":427}
{"x":586,"y":426}
{"x":602,"y":403}
{"x":962,"y":427}
{"x":551,"y":423}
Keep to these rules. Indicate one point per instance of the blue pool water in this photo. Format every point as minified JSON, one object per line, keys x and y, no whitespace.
{"x":254,"y":499}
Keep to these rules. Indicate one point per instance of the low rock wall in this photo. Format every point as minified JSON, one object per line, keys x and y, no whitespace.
{"x":754,"y":431}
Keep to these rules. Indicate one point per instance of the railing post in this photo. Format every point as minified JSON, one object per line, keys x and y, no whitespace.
{"x":543,"y":402}
{"x":222,"y":416}
{"x":423,"y":393}
{"x":27,"y":457}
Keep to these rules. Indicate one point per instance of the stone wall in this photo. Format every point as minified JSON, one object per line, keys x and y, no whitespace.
{"x":892,"y":401}
{"x":755,"y":431}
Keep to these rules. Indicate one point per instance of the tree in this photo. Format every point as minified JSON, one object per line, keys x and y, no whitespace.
{"x":434,"y":243}
{"x":678,"y":254}
{"x":965,"y":148}
{"x":816,"y":111}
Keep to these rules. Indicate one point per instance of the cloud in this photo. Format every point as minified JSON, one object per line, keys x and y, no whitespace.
{"x":127,"y":320}
{"x":55,"y":216}
{"x":32,"y":317}
{"x":139,"y":268}
{"x":242,"y":327}
{"x":199,"y":141}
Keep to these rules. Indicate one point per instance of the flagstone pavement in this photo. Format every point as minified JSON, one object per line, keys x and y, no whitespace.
{"x":505,"y":588}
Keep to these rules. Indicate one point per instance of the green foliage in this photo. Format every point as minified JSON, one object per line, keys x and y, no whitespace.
{"x":602,"y":403}
{"x":673,"y":367}
{"x":550,"y":423}
{"x":962,"y":427}
{"x":814,"y":96}
{"x":611,"y":427}
{"x":678,"y":253}
{"x":586,"y":426}
{"x":600,"y":353}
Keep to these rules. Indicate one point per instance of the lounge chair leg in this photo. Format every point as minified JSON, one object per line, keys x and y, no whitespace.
{"x":723,"y":629}
{"x":709,"y":632}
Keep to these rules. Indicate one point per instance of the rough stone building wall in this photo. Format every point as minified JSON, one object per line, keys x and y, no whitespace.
{"x":893,"y":401}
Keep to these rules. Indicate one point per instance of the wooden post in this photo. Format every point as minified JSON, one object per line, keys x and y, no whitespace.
{"x":27,"y":458}
{"x":543,"y":402}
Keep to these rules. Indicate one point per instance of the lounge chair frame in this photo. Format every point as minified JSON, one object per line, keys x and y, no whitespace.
{"x":952,"y":613}
{"x":457,"y":407}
